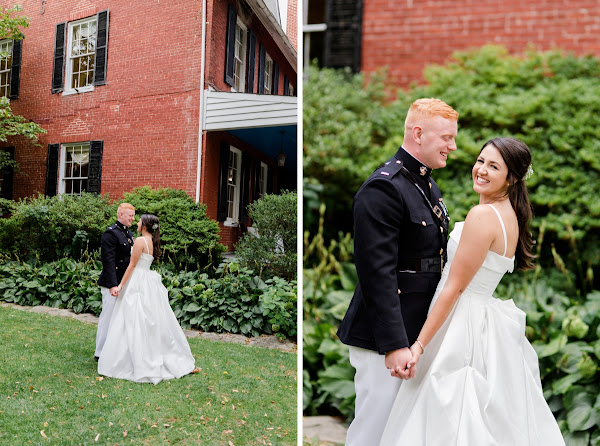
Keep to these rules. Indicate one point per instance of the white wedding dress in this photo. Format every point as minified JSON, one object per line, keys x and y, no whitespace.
{"x":145,"y":342}
{"x":478,"y":381}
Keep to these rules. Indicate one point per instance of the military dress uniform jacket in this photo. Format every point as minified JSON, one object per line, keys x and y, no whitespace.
{"x":399,"y":249}
{"x":115,"y":253}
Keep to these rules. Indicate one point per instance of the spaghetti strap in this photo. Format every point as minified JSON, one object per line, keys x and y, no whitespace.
{"x":503,"y":229}
{"x":148,"y":248}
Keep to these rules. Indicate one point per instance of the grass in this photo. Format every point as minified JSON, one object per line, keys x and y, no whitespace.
{"x":51,"y":393}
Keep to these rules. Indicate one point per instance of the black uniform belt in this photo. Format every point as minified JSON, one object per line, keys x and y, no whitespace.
{"x":425,"y":265}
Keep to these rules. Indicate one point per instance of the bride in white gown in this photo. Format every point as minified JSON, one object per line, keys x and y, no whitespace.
{"x":145,"y":342}
{"x":477,"y":381}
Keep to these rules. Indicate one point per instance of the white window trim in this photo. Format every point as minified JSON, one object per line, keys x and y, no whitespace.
{"x":62,"y":162}
{"x":268,"y":74}
{"x":68,"y":90}
{"x":264,"y":171}
{"x":242,"y":57}
{"x":234,"y":221}
{"x":7,"y":42}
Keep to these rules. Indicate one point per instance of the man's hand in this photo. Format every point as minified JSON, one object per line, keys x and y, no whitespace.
{"x":397,"y":360}
{"x":114,"y":291}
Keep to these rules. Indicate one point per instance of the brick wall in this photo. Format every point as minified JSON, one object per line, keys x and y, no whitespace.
{"x":292,"y":22}
{"x":217,"y":15}
{"x":407,"y":35}
{"x":146,"y":114}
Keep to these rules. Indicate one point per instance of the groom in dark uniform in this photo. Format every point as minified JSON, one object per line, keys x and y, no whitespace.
{"x":115,"y":252}
{"x":400,"y":236}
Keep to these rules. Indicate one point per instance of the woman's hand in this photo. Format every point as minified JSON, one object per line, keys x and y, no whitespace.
{"x":416,"y":351}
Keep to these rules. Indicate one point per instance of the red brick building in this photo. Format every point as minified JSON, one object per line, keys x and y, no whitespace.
{"x":408,"y":35}
{"x":197,"y":95}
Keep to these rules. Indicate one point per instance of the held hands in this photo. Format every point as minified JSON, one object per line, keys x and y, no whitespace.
{"x":114,"y":291}
{"x":416,"y":351}
{"x":397,"y":362}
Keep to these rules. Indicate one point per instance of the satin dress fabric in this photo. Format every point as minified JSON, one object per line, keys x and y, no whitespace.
{"x":478,"y":380}
{"x":145,"y":343}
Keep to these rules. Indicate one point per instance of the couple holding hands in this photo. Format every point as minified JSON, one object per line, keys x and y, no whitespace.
{"x":438,"y":359}
{"x":138,"y":337}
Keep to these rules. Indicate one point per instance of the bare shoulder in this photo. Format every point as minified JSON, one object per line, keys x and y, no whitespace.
{"x":481,"y":225}
{"x":480,"y":213}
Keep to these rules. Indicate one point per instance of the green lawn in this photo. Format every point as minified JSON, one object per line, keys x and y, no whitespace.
{"x":51,"y":393}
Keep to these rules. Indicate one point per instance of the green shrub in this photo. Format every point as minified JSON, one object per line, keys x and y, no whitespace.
{"x":53,"y":227}
{"x":548,"y":100}
{"x":237,"y":301}
{"x":189,"y":239}
{"x":273,"y":249}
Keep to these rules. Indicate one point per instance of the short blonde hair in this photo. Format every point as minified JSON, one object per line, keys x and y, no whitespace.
{"x":429,"y":108}
{"x":124,"y":206}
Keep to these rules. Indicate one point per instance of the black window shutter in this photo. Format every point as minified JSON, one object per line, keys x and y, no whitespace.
{"x":15,"y":69}
{"x":7,"y":176}
{"x":223,"y":169}
{"x":245,"y":191}
{"x":286,"y":85}
{"x":256,"y":188}
{"x":275,"y":82}
{"x":101,"y":48}
{"x":251,"y":62}
{"x":59,"y":58}
{"x":344,"y":34}
{"x":52,"y":169}
{"x":95,"y":167}
{"x":230,"y":44}
{"x":262,"y":55}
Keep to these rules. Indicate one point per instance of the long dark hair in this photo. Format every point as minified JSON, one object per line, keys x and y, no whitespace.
{"x":517,"y":157}
{"x":150,"y":221}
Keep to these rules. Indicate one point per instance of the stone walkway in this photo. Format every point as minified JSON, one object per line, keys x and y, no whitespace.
{"x":323,"y":431}
{"x":265,"y":341}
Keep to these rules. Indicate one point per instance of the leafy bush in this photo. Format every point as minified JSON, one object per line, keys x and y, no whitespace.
{"x":189,"y":239}
{"x":65,"y":283}
{"x":273,"y":248}
{"x":53,"y":227}
{"x":565,"y":333}
{"x":235,"y":302}
{"x":345,"y":126}
{"x":328,"y":384}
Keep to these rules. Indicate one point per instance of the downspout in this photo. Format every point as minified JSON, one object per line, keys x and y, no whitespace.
{"x":200,"y":112}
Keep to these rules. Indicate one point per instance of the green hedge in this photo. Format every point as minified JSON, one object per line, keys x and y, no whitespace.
{"x":548,"y":100}
{"x":49,"y":228}
{"x":189,"y":239}
{"x":236,"y":301}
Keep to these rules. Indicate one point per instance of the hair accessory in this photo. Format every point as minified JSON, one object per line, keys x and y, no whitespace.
{"x":155,"y":226}
{"x":528,"y":173}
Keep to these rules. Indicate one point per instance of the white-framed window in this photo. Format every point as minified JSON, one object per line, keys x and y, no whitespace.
{"x":262,"y":180}
{"x":233,"y":186}
{"x":5,"y":66}
{"x":81,"y":54}
{"x":239,"y":67}
{"x":268,"y":74}
{"x":74,"y":168}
